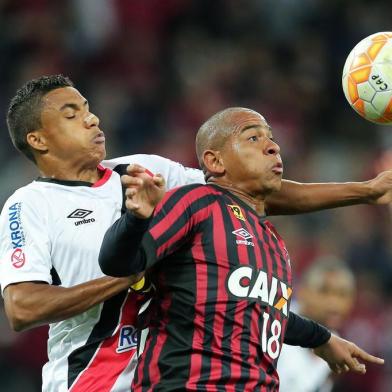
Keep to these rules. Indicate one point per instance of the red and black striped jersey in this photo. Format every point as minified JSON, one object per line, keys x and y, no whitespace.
{"x":223,"y":281}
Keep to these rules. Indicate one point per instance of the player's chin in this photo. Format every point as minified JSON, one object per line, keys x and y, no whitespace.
{"x":101,"y":147}
{"x":275,"y":183}
{"x":100,"y":152}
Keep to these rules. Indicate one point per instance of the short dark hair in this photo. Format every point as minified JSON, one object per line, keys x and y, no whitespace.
{"x":24,"y":112}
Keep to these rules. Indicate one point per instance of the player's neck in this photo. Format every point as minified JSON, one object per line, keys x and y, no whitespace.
{"x":255,"y":202}
{"x":64,"y":171}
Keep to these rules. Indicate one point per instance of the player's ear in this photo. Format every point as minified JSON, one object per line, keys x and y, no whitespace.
{"x":213,"y":162}
{"x":37,"y":140}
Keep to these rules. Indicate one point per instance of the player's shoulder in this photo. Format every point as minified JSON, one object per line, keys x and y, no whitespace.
{"x":29,"y":192}
{"x":141,"y":159}
{"x":194,"y":192}
{"x":28,"y":195}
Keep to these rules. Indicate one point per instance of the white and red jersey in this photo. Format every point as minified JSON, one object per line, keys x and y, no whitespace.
{"x":51,"y":231}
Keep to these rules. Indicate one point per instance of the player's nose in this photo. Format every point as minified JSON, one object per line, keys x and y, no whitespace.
{"x":272,"y":148}
{"x":91,"y":120}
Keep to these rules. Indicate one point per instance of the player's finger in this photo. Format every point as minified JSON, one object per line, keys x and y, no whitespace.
{"x":354,"y":365}
{"x":334,"y":367}
{"x":130,"y":192}
{"x":159,"y":180}
{"x":134,"y":168}
{"x":131,"y":205}
{"x":362,"y":354}
{"x":130,"y":180}
{"x":345,"y":368}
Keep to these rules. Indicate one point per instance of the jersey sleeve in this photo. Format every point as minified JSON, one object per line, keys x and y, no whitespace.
{"x":174,"y":173}
{"x":24,"y":243}
{"x":175,"y":221}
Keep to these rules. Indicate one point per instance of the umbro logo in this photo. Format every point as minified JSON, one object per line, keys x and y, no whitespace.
{"x":242,"y":233}
{"x":80,"y":213}
{"x":245,"y":237}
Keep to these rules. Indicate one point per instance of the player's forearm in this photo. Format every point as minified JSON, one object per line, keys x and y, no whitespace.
{"x":305,"y":332}
{"x":31,"y":304}
{"x":295,"y":197}
{"x":120,"y":253}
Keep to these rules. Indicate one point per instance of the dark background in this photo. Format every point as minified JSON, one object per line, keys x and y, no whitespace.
{"x":154,"y":70}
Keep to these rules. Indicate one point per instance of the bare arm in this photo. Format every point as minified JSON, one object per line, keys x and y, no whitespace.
{"x":295,"y":197}
{"x":30,"y":304}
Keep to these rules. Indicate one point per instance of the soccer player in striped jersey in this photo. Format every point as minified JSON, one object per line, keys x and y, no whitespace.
{"x":51,"y":231}
{"x":222,"y":273}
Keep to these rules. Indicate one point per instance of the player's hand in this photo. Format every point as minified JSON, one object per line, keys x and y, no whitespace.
{"x":343,"y":356}
{"x":144,"y":190}
{"x":380,"y":188}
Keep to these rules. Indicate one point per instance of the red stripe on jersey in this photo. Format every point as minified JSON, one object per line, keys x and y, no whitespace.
{"x":199,"y":320}
{"x":220,"y":243}
{"x":179,"y":208}
{"x":266,"y":361}
{"x":153,"y":369}
{"x":238,"y":320}
{"x":269,"y":266}
{"x":277,"y":252}
{"x":106,"y":173}
{"x":163,"y":226}
{"x":257,"y":313}
{"x":108,"y":364}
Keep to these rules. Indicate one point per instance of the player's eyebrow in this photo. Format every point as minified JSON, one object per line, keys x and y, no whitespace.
{"x":73,"y":106}
{"x":256,"y":126}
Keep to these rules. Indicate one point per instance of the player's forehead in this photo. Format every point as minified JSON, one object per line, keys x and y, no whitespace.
{"x":58,"y":98}
{"x":246,"y":119}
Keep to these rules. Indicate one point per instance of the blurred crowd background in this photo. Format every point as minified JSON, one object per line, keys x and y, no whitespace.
{"x":154,"y":70}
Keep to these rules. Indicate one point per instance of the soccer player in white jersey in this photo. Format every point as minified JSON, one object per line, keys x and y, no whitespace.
{"x":51,"y":231}
{"x":325,"y":294}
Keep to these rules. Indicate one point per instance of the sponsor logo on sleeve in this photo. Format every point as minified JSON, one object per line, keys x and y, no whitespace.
{"x":18,"y":258}
{"x":15,"y":226}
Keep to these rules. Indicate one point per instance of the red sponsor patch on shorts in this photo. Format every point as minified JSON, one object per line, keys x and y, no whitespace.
{"x":18,"y":258}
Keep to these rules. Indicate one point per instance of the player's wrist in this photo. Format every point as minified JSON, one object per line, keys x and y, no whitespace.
{"x":370,"y":192}
{"x":138,"y":221}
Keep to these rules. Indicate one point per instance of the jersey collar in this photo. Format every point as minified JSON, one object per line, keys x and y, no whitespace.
{"x":240,"y":202}
{"x":106,"y":173}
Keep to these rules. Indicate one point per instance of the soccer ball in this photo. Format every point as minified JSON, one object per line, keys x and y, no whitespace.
{"x":367,"y":78}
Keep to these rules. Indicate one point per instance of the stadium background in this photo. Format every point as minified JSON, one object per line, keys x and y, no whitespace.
{"x":153,"y":70}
